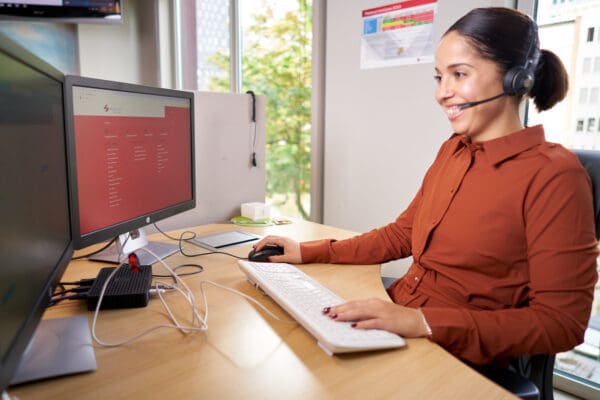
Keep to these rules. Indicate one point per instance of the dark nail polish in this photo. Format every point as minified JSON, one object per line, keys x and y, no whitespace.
{"x":326,"y":310}
{"x":333,"y":316}
{"x":353,"y":325}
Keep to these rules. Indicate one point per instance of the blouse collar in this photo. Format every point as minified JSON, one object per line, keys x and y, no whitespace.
{"x":505,"y":147}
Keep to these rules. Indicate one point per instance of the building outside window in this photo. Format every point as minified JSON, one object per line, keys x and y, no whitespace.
{"x":213,"y":36}
{"x":569,"y":29}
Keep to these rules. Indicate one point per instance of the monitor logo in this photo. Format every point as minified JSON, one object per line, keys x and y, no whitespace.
{"x":106,"y":108}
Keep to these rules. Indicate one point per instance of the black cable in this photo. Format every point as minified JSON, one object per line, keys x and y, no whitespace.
{"x":80,"y":282}
{"x":199,"y":268}
{"x":80,"y":289}
{"x":172,"y":237}
{"x":181,"y":239}
{"x":106,"y":246}
{"x":253,"y":121}
{"x":76,"y":296}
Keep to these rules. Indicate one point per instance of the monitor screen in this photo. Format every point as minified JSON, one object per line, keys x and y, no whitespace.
{"x":35,"y":241}
{"x":63,"y":10}
{"x":131,"y":157}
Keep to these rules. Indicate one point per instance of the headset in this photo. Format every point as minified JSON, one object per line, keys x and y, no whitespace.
{"x":520,"y":79}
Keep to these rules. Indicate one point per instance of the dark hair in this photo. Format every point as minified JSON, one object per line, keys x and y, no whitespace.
{"x":505,"y":36}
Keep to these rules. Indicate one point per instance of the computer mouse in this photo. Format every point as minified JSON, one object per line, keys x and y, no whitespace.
{"x":264,"y":253}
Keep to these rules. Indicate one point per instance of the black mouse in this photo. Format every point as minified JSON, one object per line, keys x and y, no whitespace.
{"x":264,"y":253}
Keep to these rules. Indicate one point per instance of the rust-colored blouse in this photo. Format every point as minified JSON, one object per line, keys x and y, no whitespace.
{"x":503,"y":245}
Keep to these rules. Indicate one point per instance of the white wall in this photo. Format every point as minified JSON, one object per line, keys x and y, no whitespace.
{"x":125,"y":52}
{"x":382,"y":126}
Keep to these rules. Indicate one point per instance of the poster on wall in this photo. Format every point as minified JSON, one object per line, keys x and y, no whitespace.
{"x":398,"y":34}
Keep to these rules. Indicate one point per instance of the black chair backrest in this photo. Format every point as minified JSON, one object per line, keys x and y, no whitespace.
{"x":590,"y":159}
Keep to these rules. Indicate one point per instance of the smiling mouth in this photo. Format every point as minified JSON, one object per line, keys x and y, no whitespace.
{"x":452,"y":111}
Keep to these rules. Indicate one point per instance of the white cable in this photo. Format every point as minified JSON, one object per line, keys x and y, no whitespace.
{"x":6,"y":396}
{"x":261,"y":306}
{"x":188,"y":295}
{"x":198,"y":323}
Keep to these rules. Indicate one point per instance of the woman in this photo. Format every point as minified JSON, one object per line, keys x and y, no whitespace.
{"x":502,"y":229}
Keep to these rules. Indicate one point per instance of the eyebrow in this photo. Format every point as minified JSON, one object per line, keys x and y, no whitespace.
{"x":457,"y":65}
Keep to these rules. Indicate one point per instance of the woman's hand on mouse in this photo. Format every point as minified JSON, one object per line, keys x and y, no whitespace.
{"x":291,"y":249}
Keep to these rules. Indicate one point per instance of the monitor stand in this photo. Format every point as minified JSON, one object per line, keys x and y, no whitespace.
{"x":132,"y":242}
{"x":61,"y":346}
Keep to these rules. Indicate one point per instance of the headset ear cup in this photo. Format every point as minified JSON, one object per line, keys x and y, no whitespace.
{"x":517,"y":81}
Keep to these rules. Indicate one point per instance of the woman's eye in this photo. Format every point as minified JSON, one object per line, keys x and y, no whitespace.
{"x":437,"y":78}
{"x":458,"y":74}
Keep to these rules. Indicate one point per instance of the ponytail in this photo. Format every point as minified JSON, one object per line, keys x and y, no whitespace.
{"x":551,"y":81}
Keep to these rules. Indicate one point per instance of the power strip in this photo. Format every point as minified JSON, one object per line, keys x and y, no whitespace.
{"x":126,"y":289}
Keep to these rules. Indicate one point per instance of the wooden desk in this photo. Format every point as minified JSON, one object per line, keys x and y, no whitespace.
{"x":247,"y":355}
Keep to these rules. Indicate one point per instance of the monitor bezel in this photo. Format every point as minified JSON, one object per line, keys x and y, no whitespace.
{"x":11,"y":361}
{"x":107,"y":233}
{"x":62,"y":13}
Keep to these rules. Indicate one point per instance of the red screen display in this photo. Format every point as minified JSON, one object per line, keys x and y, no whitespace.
{"x":129,"y":163}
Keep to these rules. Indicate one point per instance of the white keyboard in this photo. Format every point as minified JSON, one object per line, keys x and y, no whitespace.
{"x":304,"y":299}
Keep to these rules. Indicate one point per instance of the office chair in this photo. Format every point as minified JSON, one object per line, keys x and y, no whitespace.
{"x":530,"y":376}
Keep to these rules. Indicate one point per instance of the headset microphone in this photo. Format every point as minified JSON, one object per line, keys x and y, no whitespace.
{"x":476,"y":103}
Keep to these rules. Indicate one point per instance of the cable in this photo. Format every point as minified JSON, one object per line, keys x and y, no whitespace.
{"x":198,"y":323}
{"x":181,"y":239}
{"x":6,"y":396}
{"x":172,"y":237}
{"x":106,"y":246}
{"x":199,"y":267}
{"x":261,"y":306}
{"x":86,"y":281}
{"x":79,"y":289}
{"x":253,"y":121}
{"x":77,"y":296}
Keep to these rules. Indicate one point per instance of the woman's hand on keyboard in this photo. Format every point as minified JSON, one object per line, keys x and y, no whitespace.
{"x":291,"y":249}
{"x":381,"y":314}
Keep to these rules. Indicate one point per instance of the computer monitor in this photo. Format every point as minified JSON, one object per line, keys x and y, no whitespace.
{"x":35,"y":237}
{"x":131,"y":162}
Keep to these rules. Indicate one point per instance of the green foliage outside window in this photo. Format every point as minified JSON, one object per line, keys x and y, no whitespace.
{"x":276,"y":63}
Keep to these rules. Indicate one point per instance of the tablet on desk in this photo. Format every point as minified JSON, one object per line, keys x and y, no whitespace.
{"x":221,"y":240}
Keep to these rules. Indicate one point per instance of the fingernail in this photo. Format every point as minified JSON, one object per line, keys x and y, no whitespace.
{"x":333,"y":316}
{"x":326,"y":310}
{"x":353,"y":324}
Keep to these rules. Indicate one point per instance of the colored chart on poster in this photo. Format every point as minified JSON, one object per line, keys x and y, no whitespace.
{"x":398,"y":34}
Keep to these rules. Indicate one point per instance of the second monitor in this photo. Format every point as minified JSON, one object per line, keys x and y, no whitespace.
{"x":131,"y":161}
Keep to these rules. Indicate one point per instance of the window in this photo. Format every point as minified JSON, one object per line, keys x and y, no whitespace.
{"x":212,"y":41}
{"x":591,"y":128}
{"x":594,"y":95}
{"x":576,"y":371}
{"x":583,"y":95}
{"x":587,"y":65}
{"x":273,"y":40}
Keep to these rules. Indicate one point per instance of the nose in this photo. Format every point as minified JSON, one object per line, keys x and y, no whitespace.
{"x":444,"y":90}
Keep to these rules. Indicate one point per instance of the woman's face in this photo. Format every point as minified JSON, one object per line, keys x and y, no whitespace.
{"x":464,"y":76}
